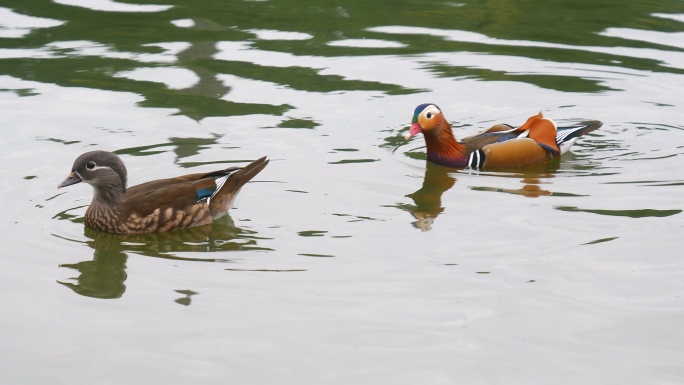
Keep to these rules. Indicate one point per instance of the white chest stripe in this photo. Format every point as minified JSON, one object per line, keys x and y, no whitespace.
{"x":476,"y":159}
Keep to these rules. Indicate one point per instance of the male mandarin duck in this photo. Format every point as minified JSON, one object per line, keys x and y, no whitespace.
{"x":159,"y":205}
{"x":501,"y":146}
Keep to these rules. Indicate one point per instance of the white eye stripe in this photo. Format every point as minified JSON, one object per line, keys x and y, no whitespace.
{"x":431,"y":111}
{"x":97,"y":168}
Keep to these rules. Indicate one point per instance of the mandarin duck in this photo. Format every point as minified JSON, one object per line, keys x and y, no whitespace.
{"x":159,"y":205}
{"x":501,"y":146}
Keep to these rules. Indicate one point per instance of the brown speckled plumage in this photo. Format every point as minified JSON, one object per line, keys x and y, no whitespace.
{"x":156,"y":206}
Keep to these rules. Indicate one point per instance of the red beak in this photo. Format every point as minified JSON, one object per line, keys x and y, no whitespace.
{"x":415,"y":128}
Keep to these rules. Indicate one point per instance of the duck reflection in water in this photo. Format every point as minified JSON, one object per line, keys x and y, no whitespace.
{"x":104,"y":276}
{"x":531,"y":178}
{"x":529,"y":189}
{"x":438,"y":179}
{"x":428,"y":199}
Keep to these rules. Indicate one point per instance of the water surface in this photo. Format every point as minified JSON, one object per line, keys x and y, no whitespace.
{"x":348,"y":259}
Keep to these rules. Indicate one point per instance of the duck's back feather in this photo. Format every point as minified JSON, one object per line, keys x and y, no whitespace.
{"x":535,"y":141}
{"x":184,"y":201}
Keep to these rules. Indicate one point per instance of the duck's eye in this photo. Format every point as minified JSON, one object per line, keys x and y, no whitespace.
{"x":428,"y":115}
{"x":90,"y":165}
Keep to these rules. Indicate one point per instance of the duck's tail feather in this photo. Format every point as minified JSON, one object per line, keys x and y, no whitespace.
{"x":567,"y":136}
{"x":228,"y":186}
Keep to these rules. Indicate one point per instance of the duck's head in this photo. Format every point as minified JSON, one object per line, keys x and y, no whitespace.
{"x":100,"y":169}
{"x":426,"y":117}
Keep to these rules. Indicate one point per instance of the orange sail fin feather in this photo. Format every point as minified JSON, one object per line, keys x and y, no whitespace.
{"x":501,"y":146}
{"x":542,"y":130}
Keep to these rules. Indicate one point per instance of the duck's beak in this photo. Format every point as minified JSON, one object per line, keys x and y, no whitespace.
{"x":415,"y":128}
{"x":73,"y":178}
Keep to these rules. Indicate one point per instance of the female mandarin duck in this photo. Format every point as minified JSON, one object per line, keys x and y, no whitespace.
{"x":501,"y":146}
{"x":156,"y":206}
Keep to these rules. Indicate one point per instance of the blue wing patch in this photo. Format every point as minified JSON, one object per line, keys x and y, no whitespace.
{"x":204,"y":193}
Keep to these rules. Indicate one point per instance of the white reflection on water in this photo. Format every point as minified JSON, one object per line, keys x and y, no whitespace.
{"x":366,"y":43}
{"x":89,"y":48}
{"x":667,"y":58}
{"x":268,"y":34}
{"x":13,"y":25}
{"x":183,"y":23}
{"x":174,"y":77}
{"x":62,"y":49}
{"x":673,"y":39}
{"x":677,"y":17}
{"x":113,"y":6}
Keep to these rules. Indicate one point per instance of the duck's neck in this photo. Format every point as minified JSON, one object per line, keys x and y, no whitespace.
{"x":108,"y":196}
{"x":443,"y":149}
